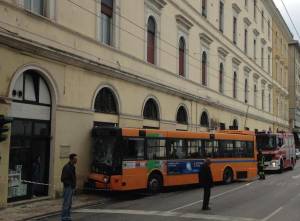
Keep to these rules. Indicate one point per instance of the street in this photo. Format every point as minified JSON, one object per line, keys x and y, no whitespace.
{"x":276,"y":198}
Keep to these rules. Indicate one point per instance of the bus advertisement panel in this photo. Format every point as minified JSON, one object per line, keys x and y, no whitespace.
{"x":131,"y":159}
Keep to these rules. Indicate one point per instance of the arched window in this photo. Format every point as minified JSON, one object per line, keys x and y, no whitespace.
{"x":234,"y":85}
{"x":151,"y":110}
{"x":221,"y":75}
{"x":31,"y":88}
{"x":204,"y":68}
{"x":246,"y":91}
{"x":204,"y":8}
{"x":106,"y":102}
{"x":235,"y":124}
{"x":182,"y":57}
{"x":151,"y":40}
{"x":182,"y":116}
{"x":204,"y":120}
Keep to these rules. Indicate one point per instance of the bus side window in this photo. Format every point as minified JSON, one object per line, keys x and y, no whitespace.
{"x":280,"y":141}
{"x":179,"y":149}
{"x":156,"y":148}
{"x":250,"y":149}
{"x":193,"y":150}
{"x":228,"y":148}
{"x":134,"y":149}
{"x":209,"y":147}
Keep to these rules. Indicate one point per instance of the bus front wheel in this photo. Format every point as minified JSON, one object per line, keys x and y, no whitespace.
{"x":228,"y":176}
{"x":154,"y":183}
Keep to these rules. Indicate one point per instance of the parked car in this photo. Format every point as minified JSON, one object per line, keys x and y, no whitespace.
{"x":297,"y":153}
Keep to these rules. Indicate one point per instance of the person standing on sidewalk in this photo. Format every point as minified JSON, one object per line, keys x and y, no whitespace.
{"x":261,"y":165}
{"x":205,"y":177}
{"x":68,"y":178}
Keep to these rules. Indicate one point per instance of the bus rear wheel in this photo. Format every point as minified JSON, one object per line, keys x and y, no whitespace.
{"x":154,"y":183}
{"x":227,"y":176}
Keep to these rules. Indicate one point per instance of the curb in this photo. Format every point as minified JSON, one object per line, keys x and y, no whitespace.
{"x":57,"y":212}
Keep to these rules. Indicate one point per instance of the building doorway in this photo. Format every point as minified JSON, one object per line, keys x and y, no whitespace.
{"x":29,"y":155}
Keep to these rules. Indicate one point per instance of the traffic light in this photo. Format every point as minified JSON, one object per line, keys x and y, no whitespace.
{"x":3,"y":127}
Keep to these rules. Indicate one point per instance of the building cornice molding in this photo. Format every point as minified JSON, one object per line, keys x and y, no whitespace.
{"x":236,"y":61}
{"x":247,"y":21}
{"x":222,"y":51}
{"x":236,"y":8}
{"x":205,"y":38}
{"x":181,"y":20}
{"x":247,"y":69}
{"x":255,"y":32}
{"x":263,"y":41}
{"x":159,"y":4}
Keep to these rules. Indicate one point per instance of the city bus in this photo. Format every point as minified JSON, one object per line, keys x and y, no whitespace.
{"x":132,"y":159}
{"x":278,"y":150}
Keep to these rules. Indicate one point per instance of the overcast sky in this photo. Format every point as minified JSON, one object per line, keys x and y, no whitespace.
{"x":293,"y":7}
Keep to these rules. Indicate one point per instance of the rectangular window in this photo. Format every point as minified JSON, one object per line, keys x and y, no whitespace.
{"x":156,"y":149}
{"x":263,"y":99}
{"x":36,"y":6}
{"x":269,"y":63}
{"x":262,"y":21}
{"x":254,"y":50}
{"x":134,"y":149}
{"x":269,"y":31}
{"x":246,"y":41}
{"x":234,"y":30}
{"x":106,"y":21}
{"x":262,"y":57}
{"x":221,"y":16}
{"x":204,"y":8}
{"x":254,"y":9}
{"x":177,"y":149}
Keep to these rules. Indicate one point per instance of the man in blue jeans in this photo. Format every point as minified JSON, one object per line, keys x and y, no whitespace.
{"x":68,"y":178}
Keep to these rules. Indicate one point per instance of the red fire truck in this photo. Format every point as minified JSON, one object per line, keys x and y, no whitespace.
{"x":278,"y":150}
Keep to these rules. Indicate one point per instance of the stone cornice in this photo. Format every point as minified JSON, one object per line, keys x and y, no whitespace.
{"x":247,"y":69}
{"x":247,"y":21}
{"x":255,"y":32}
{"x":157,"y":3}
{"x":263,"y":41}
{"x":236,"y":61}
{"x":205,"y":37}
{"x":181,"y":20}
{"x":236,"y":8}
{"x":255,"y":76}
{"x":222,"y":51}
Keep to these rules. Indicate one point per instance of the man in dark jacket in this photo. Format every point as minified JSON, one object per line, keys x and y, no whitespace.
{"x":205,"y":178}
{"x":68,"y":178}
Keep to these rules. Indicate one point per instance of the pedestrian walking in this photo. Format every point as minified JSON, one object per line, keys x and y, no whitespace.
{"x":206,"y":179}
{"x":68,"y":178}
{"x":261,"y":165}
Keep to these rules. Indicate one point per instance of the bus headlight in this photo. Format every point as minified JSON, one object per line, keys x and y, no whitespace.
{"x":105,"y":179}
{"x":273,"y":164}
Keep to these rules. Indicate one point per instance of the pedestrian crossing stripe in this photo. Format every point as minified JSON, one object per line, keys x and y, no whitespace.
{"x":201,"y":216}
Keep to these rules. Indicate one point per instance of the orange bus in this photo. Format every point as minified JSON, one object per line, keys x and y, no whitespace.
{"x":131,"y":159}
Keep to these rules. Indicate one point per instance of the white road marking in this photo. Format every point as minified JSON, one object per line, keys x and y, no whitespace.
{"x":272,"y":214}
{"x":296,"y":177}
{"x":166,"y":213}
{"x":213,"y":197}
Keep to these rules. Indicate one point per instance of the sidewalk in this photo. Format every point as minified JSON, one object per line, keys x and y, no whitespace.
{"x":30,"y":210}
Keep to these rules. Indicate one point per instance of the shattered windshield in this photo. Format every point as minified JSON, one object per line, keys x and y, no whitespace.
{"x":103,"y":150}
{"x":266,"y":142}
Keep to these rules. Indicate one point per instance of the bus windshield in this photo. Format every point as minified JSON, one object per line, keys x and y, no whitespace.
{"x":266,"y":142}
{"x":103,"y":150}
